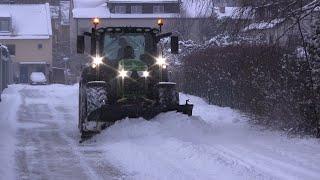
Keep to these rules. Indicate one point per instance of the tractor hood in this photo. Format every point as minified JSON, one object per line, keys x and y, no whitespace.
{"x":132,"y":65}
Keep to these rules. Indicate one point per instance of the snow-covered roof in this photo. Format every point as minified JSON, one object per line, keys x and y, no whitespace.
{"x":88,"y":3}
{"x":143,"y":1}
{"x":100,"y":12}
{"x":98,"y":8}
{"x":29,"y":21}
{"x":191,"y":9}
{"x":89,"y":9}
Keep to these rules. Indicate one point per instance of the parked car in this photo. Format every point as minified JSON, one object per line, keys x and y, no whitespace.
{"x":38,"y":78}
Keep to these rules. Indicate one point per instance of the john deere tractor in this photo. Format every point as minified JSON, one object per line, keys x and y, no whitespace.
{"x":127,"y":77}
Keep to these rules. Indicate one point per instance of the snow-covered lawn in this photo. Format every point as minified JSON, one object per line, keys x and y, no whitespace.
{"x":39,"y":140}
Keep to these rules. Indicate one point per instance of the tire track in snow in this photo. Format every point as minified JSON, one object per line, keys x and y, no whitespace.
{"x":48,"y":152}
{"x":58,"y":116}
{"x":97,"y":166}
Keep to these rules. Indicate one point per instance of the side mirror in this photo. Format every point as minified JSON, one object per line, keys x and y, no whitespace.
{"x":174,"y":44}
{"x":80,"y":44}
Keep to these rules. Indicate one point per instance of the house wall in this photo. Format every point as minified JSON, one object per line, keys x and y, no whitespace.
{"x":27,"y":50}
{"x":147,"y":7}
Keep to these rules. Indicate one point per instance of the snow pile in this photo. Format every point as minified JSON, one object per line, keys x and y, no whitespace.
{"x":8,"y":109}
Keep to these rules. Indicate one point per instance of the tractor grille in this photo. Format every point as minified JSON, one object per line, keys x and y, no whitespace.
{"x":134,"y":87}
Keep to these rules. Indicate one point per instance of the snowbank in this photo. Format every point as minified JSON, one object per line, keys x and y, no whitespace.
{"x":216,"y":143}
{"x":8,"y":109}
{"x":171,"y":146}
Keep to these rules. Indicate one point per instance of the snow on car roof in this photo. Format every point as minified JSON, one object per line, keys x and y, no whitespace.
{"x":38,"y":77}
{"x":27,"y":20}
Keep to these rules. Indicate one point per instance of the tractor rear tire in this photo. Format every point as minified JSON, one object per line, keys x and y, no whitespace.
{"x":96,"y":98}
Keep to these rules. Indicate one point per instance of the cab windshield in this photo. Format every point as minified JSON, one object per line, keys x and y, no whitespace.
{"x":124,"y":46}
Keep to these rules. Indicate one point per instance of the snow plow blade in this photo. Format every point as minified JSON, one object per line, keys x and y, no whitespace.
{"x":112,"y":113}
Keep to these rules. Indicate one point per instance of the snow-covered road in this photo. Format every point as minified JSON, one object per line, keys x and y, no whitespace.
{"x":39,"y":140}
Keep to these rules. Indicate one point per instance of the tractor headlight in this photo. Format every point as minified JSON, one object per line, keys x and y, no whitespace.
{"x":123,"y":73}
{"x":161,"y":61}
{"x":96,"y":61}
{"x":144,"y":74}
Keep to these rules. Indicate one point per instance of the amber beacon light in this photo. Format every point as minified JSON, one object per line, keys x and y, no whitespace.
{"x":160,"y":23}
{"x":96,"y":22}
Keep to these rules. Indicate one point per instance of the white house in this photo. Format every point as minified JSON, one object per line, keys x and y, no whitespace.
{"x":26,"y":31}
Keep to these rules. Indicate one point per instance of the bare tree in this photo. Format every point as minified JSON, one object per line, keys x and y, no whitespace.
{"x":195,"y":18}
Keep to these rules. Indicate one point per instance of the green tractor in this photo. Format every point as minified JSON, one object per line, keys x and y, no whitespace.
{"x":127,"y":77}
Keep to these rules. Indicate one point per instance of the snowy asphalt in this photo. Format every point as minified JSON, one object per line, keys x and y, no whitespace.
{"x":39,"y":140}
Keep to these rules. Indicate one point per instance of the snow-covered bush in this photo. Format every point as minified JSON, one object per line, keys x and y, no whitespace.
{"x":314,"y":63}
{"x":263,"y":80}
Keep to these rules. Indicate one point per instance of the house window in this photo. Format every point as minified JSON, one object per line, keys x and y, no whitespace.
{"x":40,"y":46}
{"x":4,"y":25}
{"x":12,"y":49}
{"x":158,"y":9}
{"x":120,"y":9}
{"x":136,"y":9}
